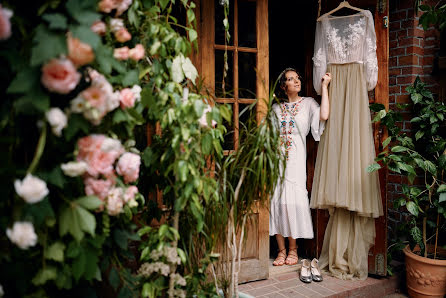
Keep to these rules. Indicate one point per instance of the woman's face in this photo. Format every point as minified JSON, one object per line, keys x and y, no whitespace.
{"x":292,"y":82}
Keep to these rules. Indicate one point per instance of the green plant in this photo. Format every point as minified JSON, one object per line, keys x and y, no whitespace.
{"x":432,"y":14}
{"x":423,"y":159}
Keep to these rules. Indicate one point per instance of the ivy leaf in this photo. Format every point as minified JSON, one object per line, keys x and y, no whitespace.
{"x":442,"y":162}
{"x":76,"y":123}
{"x":206,"y":144}
{"x":24,"y":81}
{"x":32,"y":103}
{"x":376,"y":107}
{"x":69,"y":223}
{"x":113,"y":278}
{"x":120,"y":116}
{"x":163,"y":3}
{"x":79,"y":265}
{"x":85,"y":34}
{"x":55,"y":252}
{"x":189,"y":69}
{"x":182,"y":170}
{"x":381,"y":114}
{"x":87,"y":221}
{"x":104,"y":57}
{"x":419,"y":134}
{"x":44,"y":275}
{"x":55,"y":20}
{"x":416,"y":234}
{"x":131,"y":78}
{"x":412,"y":208}
{"x":83,"y":11}
{"x":406,"y":167}
{"x":416,"y":97}
{"x":442,"y":197}
{"x":90,"y":202}
{"x":176,"y":70}
{"x":430,"y":166}
{"x":48,"y":45}
{"x":441,"y":188}
{"x":373,"y":167}
{"x":386,"y":142}
{"x":398,"y":149}
{"x":192,"y":35}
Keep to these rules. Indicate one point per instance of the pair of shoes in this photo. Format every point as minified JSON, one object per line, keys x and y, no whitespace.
{"x":310,"y":271}
{"x":292,"y":258}
{"x":280,"y":260}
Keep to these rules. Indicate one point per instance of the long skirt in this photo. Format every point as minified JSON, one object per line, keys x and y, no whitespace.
{"x":341,"y":183}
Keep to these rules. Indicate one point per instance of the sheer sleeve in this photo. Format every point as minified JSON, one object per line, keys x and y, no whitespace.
{"x":319,"y":58}
{"x":317,"y":125}
{"x":370,"y":59}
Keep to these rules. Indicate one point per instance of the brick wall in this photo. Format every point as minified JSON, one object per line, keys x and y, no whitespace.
{"x":411,"y":54}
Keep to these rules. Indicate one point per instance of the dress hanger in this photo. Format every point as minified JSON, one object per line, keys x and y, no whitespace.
{"x":343,"y":4}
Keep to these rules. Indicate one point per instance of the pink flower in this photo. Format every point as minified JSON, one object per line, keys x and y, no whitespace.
{"x":121,"y":53}
{"x":130,"y":193}
{"x":127,"y":98}
{"x":98,"y":27}
{"x":5,"y":23}
{"x":121,"y":6}
{"x":60,"y":76}
{"x":137,"y":52}
{"x":128,"y":166}
{"x":98,"y":187}
{"x":122,"y":35}
{"x":107,"y":5}
{"x":79,"y":53}
{"x":114,"y":201}
{"x":94,"y":96}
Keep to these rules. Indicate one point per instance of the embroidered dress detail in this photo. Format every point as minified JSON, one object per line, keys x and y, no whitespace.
{"x":288,"y":111}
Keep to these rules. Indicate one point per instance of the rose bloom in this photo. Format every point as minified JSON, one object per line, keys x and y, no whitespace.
{"x":121,"y":6}
{"x":31,"y":189}
{"x":121,"y":53}
{"x":130,"y":193}
{"x":114,"y":201}
{"x":122,"y":35}
{"x":107,"y":5}
{"x":116,"y":24}
{"x":57,"y":120}
{"x":98,"y":187}
{"x":5,"y":23}
{"x":60,"y":76}
{"x":79,"y":53}
{"x":137,"y":52}
{"x":127,"y":98}
{"x":94,"y":96}
{"x":99,"y":27}
{"x":74,"y":168}
{"x":22,"y":234}
{"x":128,"y":166}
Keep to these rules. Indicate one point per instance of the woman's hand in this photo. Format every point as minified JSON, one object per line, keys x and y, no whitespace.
{"x":326,"y":79}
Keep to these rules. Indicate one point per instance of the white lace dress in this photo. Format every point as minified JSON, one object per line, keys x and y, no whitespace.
{"x":290,"y":212}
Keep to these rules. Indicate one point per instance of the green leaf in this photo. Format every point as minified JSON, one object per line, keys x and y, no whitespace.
{"x":206,"y":144}
{"x":85,"y":34}
{"x":412,"y":208}
{"x":76,"y":123}
{"x":376,"y":107}
{"x":442,"y":162}
{"x":189,"y":69}
{"x":121,"y":239}
{"x":87,"y":221}
{"x":24,"y":81}
{"x":83,"y":11}
{"x":441,"y":188}
{"x":163,"y":3}
{"x":398,"y":149}
{"x":130,"y":78}
{"x":416,"y":234}
{"x":192,"y":35}
{"x":381,"y":114}
{"x":386,"y":142}
{"x":56,"y":177}
{"x":55,"y":252}
{"x":182,"y":170}
{"x":176,"y":70}
{"x":114,"y":279}
{"x":44,"y":275}
{"x":55,"y":20}
{"x":90,"y":202}
{"x":69,"y":223}
{"x":419,"y":134}
{"x":373,"y":167}
{"x":406,"y":167}
{"x":79,"y":265}
{"x":430,"y":166}
{"x":442,"y":197}
{"x":104,"y":57}
{"x":416,"y":97}
{"x":47,"y":45}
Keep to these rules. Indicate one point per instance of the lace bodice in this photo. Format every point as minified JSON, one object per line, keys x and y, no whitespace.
{"x":348,"y":39}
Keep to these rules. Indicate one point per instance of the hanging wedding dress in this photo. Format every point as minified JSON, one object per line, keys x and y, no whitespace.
{"x":346,"y":47}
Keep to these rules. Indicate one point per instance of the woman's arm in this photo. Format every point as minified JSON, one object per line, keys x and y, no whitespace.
{"x":325,"y":103}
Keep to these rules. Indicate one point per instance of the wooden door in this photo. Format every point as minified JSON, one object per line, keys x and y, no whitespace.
{"x":247,"y":80}
{"x":380,"y":10}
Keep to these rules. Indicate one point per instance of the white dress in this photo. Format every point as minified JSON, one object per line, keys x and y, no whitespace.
{"x":289,"y":211}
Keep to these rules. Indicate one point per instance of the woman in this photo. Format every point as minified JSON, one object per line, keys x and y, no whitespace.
{"x":290,"y":212}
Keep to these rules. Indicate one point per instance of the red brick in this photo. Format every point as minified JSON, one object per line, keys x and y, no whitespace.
{"x":408,"y":60}
{"x":428,"y":60}
{"x":397,"y":52}
{"x":413,"y":69}
{"x":394,"y":178}
{"x":406,"y":80}
{"x":391,"y":99}
{"x":393,"y":44}
{"x":411,"y":23}
{"x":394,"y":71}
{"x":427,"y":69}
{"x":392,"y":35}
{"x":395,"y":26}
{"x":392,"y":81}
{"x":432,"y":33}
{"x":403,"y":99}
{"x":415,"y":50}
{"x":393,"y":62}
{"x":410,"y":41}
{"x":431,"y":42}
{"x":401,"y":34}
{"x":430,"y":51}
{"x":398,"y":15}
{"x":394,"y":89}
{"x":416,"y":32}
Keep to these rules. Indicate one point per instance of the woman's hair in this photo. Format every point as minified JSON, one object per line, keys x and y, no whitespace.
{"x":282,"y":81}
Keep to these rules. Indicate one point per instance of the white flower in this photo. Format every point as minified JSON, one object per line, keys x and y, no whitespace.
{"x":110,"y":145}
{"x":113,"y":101}
{"x":78,"y":105}
{"x":203,"y":119}
{"x":22,"y":234}
{"x":179,"y":280}
{"x":57,"y":119}
{"x":116,"y":24}
{"x":74,"y":168}
{"x":114,"y":201}
{"x":31,"y":189}
{"x":136,"y":89}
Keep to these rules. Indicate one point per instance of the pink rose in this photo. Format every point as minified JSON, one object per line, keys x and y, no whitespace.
{"x":5,"y":23}
{"x":127,"y":98}
{"x":137,"y":53}
{"x":107,"y":5}
{"x":121,"y":53}
{"x":60,"y":76}
{"x":94,"y":96}
{"x":79,"y":53}
{"x":128,"y":166}
{"x":98,"y":27}
{"x":114,"y":201}
{"x":130,"y":193}
{"x":98,"y":187}
{"x":122,"y":35}
{"x":121,"y":6}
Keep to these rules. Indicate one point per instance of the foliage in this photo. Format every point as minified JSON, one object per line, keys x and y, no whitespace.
{"x":422,"y":156}
{"x":432,"y":14}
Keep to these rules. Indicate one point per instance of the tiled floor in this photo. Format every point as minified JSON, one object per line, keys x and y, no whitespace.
{"x":289,"y":285}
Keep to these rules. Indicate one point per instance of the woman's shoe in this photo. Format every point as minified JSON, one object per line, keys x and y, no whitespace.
{"x":280,"y":259}
{"x":292,"y":258}
{"x":315,"y":272}
{"x":305,"y":271}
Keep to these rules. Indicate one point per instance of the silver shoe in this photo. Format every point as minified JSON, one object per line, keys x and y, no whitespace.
{"x":305,"y":271}
{"x":315,"y":271}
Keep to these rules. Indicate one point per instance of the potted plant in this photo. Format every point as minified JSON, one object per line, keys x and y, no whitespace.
{"x":422,"y":158}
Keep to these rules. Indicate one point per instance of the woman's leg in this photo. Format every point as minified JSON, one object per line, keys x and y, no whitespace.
{"x":292,"y":257}
{"x":280,"y":260}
